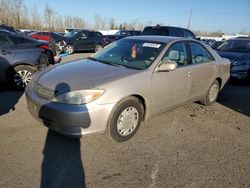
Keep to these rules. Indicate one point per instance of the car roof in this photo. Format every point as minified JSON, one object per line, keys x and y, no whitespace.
{"x":156,"y":38}
{"x":159,"y":26}
{"x":240,"y":39}
{"x":6,"y":32}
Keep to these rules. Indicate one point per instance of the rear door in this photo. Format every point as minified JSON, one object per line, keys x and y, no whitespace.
{"x":25,"y":50}
{"x":84,"y":41}
{"x":170,"y":89}
{"x":6,"y":48}
{"x":203,"y":69}
{"x":6,"y":56}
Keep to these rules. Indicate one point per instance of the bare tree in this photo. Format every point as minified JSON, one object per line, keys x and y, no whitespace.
{"x":111,"y":23}
{"x":36,"y":19}
{"x":17,"y":8}
{"x":48,"y":16}
{"x":78,"y":22}
{"x":100,"y":23}
{"x":5,"y":8}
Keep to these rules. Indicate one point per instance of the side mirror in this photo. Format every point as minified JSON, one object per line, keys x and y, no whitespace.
{"x":167,"y":66}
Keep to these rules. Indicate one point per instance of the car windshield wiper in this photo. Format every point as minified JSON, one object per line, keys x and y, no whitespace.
{"x":105,"y":62}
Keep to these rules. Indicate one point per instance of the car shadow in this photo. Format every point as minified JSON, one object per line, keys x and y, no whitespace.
{"x":62,"y":165}
{"x":236,"y":95}
{"x":8,"y":100}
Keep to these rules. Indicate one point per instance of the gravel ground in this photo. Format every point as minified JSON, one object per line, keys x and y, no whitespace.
{"x":192,"y":146}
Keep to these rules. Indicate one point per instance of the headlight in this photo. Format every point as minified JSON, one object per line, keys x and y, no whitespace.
{"x":78,"y":97}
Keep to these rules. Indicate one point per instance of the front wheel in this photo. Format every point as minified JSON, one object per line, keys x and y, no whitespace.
{"x":212,"y":94}
{"x":125,"y":120}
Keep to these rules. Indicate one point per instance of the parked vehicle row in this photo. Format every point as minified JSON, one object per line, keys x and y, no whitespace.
{"x":82,"y":40}
{"x":21,"y":57}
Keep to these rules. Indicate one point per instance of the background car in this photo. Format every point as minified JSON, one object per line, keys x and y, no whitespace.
{"x":238,"y":52}
{"x":215,"y":44}
{"x":127,"y":82}
{"x":48,"y":36}
{"x":168,"y":31}
{"x":84,"y":40}
{"x":21,"y":57}
{"x":120,"y":34}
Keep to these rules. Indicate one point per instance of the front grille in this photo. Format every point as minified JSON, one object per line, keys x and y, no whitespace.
{"x":43,"y":92}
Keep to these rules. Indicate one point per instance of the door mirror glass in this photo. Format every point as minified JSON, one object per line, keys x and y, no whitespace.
{"x":167,"y":66}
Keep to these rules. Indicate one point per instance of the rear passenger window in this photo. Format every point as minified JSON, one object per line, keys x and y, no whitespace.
{"x":19,"y":40}
{"x":200,"y":54}
{"x":176,"y":53}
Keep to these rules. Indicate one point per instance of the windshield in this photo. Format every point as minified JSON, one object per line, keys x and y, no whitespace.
{"x":235,"y":46}
{"x":134,"y":54}
{"x":70,"y":34}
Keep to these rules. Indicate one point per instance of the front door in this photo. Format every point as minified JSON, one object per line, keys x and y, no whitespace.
{"x":84,"y":41}
{"x":171,"y":88}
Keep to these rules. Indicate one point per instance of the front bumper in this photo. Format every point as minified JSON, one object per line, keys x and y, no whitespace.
{"x":240,"y":72}
{"x":68,"y":119}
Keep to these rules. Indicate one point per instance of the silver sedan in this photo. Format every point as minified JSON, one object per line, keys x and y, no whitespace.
{"x":124,"y":84}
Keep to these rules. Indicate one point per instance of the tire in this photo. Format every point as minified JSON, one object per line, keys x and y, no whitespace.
{"x":98,"y":47}
{"x":212,"y":94}
{"x":21,"y":76}
{"x":70,"y":49}
{"x":120,"y":129}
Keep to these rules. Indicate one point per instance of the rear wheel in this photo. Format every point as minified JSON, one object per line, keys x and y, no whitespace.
{"x":22,"y":76}
{"x":70,"y":49}
{"x":98,"y":47}
{"x":125,"y":120}
{"x":212,"y":94}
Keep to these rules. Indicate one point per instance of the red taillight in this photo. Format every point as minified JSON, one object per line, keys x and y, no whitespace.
{"x":44,"y":46}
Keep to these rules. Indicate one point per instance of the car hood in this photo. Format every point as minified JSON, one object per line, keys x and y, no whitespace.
{"x":82,"y":74}
{"x":234,"y":56}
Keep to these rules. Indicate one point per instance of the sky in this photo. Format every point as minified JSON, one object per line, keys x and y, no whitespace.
{"x":229,"y":16}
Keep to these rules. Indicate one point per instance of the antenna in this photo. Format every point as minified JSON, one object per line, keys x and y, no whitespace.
{"x":190,"y":16}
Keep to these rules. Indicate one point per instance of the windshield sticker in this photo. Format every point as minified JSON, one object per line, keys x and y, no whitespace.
{"x":151,"y":45}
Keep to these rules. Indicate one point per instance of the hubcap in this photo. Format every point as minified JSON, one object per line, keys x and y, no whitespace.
{"x":22,"y":78}
{"x":98,"y":47}
{"x":213,"y":92}
{"x":70,"y":49}
{"x":127,"y":121}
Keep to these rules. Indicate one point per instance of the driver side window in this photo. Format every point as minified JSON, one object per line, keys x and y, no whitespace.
{"x":176,"y":53}
{"x":82,"y":36}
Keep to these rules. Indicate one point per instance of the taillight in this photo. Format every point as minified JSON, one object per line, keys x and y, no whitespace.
{"x":44,"y":46}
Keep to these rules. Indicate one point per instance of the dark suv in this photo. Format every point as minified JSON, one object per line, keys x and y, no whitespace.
{"x":120,"y":34}
{"x":21,"y":57}
{"x":168,"y":31}
{"x":84,"y":40}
